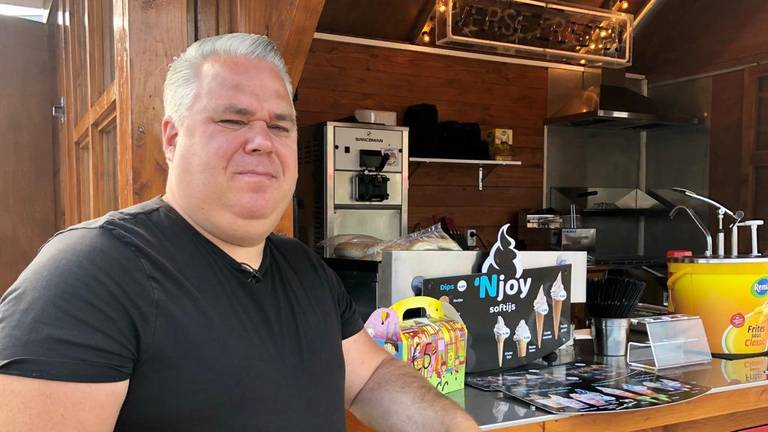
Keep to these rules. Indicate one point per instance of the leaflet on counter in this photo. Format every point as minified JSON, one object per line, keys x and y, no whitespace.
{"x":583,"y":387}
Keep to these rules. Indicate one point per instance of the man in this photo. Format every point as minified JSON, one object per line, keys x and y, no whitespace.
{"x":183,"y":312}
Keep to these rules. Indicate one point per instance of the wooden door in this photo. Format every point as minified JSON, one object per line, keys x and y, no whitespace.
{"x":26,"y":165}
{"x":754,"y":150}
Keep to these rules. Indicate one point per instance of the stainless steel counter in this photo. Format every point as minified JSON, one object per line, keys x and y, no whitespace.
{"x":493,"y":410}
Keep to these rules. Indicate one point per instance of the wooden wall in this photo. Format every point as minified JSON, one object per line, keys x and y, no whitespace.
{"x":27,"y":209}
{"x":688,"y":37}
{"x":339,"y":78}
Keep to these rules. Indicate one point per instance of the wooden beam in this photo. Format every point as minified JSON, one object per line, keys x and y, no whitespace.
{"x":123,"y":105}
{"x":156,"y":32}
{"x":291,"y":25}
{"x":426,"y":12}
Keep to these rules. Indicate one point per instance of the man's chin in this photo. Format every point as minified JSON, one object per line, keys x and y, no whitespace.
{"x":257,"y":211}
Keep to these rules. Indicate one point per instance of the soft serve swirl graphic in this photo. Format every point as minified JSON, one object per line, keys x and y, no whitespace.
{"x":503,"y":256}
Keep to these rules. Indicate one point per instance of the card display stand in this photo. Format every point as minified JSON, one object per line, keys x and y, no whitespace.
{"x":673,"y":340}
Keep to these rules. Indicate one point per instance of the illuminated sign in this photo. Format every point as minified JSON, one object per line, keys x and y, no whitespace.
{"x":545,"y":30}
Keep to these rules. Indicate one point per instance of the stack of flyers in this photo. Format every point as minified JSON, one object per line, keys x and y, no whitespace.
{"x":581,"y":387}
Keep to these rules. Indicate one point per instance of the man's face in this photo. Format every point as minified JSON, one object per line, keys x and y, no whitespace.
{"x":233,"y":165}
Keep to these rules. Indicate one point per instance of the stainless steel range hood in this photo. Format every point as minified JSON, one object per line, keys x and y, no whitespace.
{"x":610,"y":104}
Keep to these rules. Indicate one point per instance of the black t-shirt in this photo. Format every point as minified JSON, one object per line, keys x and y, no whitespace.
{"x":206,"y":343}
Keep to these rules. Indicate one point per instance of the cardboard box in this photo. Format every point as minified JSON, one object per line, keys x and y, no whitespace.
{"x":500,"y":143}
{"x":436,"y":346}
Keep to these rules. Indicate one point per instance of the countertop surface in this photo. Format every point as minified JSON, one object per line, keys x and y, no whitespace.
{"x":494,"y":410}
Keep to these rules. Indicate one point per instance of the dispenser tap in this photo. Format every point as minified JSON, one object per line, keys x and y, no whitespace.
{"x":721,"y":210}
{"x":698,"y":222}
{"x":753,"y":224}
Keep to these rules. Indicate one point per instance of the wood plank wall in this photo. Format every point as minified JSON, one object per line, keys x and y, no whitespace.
{"x":689,"y":37}
{"x":27,"y":218}
{"x":340,"y":77}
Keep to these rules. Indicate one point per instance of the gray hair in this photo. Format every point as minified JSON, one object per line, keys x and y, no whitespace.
{"x":181,"y":80}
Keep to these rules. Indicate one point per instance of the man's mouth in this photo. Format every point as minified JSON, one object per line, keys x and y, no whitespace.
{"x":255,"y":174}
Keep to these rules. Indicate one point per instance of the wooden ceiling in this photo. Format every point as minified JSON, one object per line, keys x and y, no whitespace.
{"x":401,"y":20}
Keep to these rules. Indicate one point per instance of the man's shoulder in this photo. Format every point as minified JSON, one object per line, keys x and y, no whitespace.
{"x":115,"y":226}
{"x":128,"y":215}
{"x":290,"y":245}
{"x":288,"y":251}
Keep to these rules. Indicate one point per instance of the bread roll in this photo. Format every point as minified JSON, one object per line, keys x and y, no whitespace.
{"x":353,"y":250}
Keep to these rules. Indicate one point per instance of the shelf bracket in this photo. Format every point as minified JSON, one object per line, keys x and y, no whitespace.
{"x":481,"y":177}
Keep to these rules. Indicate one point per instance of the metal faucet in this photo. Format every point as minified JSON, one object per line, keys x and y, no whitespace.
{"x":701,"y":226}
{"x":721,"y":210}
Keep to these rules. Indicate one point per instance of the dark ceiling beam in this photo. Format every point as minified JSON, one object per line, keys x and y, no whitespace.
{"x":427,"y":9}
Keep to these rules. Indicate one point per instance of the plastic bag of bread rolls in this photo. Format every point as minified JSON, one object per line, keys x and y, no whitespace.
{"x":365,"y":247}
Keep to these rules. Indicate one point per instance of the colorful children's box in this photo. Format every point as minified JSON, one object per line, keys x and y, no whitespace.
{"x":435,"y":346}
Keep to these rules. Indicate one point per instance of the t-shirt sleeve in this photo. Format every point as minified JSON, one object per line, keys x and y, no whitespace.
{"x":350,"y":320}
{"x":82,"y":311}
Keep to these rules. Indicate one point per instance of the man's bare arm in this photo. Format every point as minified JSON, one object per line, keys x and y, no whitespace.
{"x":38,"y":405}
{"x":388,"y":395}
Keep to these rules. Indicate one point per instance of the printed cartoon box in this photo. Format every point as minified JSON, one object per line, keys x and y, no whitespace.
{"x":435,"y":346}
{"x":500,"y":143}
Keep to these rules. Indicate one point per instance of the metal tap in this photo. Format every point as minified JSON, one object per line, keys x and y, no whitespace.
{"x":721,"y":210}
{"x":698,"y":222}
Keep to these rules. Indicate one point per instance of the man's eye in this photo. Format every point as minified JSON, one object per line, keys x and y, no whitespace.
{"x":231,"y":123}
{"x":279,"y":128}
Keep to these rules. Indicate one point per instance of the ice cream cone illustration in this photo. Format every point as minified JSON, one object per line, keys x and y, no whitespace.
{"x":501,"y":332}
{"x":522,"y":337}
{"x":541,"y":308}
{"x":558,"y":295}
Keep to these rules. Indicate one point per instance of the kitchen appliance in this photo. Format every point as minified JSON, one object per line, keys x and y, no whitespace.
{"x":353,"y":179}
{"x":608,"y":103}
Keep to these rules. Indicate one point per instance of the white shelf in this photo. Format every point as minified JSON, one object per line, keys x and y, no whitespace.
{"x":465,"y":161}
{"x":481,"y":176}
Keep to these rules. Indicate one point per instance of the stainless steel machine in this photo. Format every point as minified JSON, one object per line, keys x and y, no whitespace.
{"x":353,"y":179}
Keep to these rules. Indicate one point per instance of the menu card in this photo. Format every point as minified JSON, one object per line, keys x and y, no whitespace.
{"x":514,"y":315}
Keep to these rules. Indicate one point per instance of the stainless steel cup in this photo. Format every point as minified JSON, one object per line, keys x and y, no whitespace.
{"x":610,"y":336}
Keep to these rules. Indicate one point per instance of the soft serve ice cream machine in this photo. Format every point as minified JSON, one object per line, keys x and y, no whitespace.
{"x":353,"y":179}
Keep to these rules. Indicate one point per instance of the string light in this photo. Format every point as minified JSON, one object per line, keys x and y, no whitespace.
{"x":425,"y":37}
{"x":624,"y":4}
{"x":582,"y":61}
{"x":441,"y":8}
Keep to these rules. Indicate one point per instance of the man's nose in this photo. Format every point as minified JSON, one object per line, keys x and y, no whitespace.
{"x":259,"y":138}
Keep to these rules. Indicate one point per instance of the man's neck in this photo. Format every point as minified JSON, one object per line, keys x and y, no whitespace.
{"x":247,"y":255}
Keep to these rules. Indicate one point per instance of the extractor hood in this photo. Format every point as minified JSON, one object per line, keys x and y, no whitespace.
{"x":611,"y":105}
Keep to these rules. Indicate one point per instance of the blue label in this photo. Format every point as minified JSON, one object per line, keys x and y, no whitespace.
{"x":760,"y":287}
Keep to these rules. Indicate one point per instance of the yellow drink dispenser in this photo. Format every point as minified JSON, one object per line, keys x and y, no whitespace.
{"x":730,"y":294}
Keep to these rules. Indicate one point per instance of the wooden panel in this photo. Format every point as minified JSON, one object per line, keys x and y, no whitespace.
{"x":725,"y":139}
{"x":726,"y":422}
{"x":123,"y":105}
{"x":339,"y":78}
{"x":206,"y":18}
{"x":27,"y":218}
{"x":355,"y":425}
{"x":466,"y":175}
{"x":754,"y":159}
{"x":379,"y":19}
{"x":688,"y":37}
{"x":706,"y":406}
{"x":291,"y":25}
{"x":62,"y":191}
{"x":150,"y":52}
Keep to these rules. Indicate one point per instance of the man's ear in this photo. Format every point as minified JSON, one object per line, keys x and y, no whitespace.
{"x":170,"y":138}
